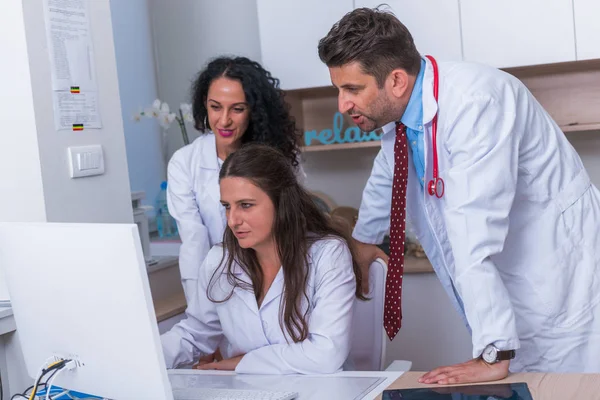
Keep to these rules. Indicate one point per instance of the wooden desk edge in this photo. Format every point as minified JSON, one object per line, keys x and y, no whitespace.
{"x":169,"y":307}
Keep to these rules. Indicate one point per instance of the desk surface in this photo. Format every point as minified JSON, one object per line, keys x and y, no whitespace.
{"x":542,"y":386}
{"x":7,"y":321}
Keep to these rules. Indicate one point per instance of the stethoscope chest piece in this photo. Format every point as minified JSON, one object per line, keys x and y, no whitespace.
{"x":436,"y":187}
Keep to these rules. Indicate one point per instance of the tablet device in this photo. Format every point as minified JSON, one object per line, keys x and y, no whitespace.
{"x":502,"y":391}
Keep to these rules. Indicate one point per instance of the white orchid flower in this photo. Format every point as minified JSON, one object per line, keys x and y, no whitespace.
{"x":137,"y":117}
{"x":166,"y":119}
{"x":186,"y":111}
{"x":152,"y":112}
{"x":164,"y":108}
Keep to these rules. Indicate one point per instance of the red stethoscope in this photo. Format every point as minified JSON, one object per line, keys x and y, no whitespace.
{"x":435,"y":187}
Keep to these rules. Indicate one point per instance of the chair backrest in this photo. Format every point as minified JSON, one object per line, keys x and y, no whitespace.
{"x":368,"y":346}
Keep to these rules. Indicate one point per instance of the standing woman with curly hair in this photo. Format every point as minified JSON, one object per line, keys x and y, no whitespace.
{"x":235,"y":101}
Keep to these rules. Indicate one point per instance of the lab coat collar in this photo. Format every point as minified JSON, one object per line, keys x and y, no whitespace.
{"x":430,"y":106}
{"x":276,"y":289}
{"x":413,"y":115}
{"x":389,"y":129}
{"x":209,"y":162}
{"x":208,"y":152}
{"x":247,"y":296}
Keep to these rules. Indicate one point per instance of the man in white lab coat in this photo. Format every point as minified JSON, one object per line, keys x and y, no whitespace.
{"x":515,"y":237}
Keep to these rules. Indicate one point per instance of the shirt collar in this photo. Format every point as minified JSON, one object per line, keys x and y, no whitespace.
{"x":413,"y":115}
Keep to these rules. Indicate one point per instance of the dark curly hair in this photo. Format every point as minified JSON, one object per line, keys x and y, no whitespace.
{"x":270,"y":119}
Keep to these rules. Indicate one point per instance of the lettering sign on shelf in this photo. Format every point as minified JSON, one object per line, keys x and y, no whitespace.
{"x":352,"y":134}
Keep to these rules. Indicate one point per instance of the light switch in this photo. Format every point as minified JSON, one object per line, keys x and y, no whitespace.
{"x":86,"y":161}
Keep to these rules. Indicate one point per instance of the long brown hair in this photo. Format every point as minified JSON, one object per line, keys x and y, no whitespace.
{"x":298,"y":224}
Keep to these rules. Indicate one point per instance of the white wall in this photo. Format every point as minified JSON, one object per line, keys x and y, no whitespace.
{"x":19,"y":139}
{"x":340,"y":174}
{"x":187,"y":34}
{"x":137,"y":85}
{"x":104,"y":198}
{"x":33,"y":156}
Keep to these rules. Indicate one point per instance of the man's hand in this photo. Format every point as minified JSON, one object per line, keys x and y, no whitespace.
{"x":228,"y":364}
{"x":365,"y":255}
{"x":472,"y":371}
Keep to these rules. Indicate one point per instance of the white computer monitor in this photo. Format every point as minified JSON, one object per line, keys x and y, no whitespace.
{"x":80,"y":291}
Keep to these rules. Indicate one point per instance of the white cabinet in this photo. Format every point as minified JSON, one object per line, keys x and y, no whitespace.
{"x":587,"y":28}
{"x":290,"y":31}
{"x":434,"y":24}
{"x":508,"y":33}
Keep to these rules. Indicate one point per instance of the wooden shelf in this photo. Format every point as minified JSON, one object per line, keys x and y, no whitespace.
{"x":341,"y":146}
{"x":169,"y":307}
{"x":377,"y":143}
{"x":580,"y":127}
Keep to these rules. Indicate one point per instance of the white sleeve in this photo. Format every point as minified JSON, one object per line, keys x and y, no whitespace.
{"x":200,"y":333}
{"x":182,"y":205}
{"x":328,"y":343}
{"x":481,"y":183}
{"x":374,"y":213}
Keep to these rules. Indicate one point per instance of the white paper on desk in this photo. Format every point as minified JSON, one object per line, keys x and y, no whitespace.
{"x":343,"y":385}
{"x":76,"y":108}
{"x":70,"y":44}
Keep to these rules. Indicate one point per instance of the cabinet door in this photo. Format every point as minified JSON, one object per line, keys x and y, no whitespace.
{"x":290,"y":31}
{"x":509,"y":33}
{"x":587,"y":28}
{"x":434,"y":24}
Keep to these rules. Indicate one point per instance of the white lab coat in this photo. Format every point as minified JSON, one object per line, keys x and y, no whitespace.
{"x":256,"y":332}
{"x":516,"y":237}
{"x":193,"y":197}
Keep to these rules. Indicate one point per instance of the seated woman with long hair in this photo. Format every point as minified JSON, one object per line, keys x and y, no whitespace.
{"x":280,"y":288}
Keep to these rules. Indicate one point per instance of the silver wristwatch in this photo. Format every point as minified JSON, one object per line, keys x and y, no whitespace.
{"x":492,"y":355}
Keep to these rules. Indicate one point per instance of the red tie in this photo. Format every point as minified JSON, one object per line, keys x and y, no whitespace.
{"x":392,"y":316}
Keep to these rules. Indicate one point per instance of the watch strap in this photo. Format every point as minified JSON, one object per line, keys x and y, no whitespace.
{"x":504,"y":355}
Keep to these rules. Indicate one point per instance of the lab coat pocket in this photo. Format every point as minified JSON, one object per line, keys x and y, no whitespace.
{"x":567,"y":283}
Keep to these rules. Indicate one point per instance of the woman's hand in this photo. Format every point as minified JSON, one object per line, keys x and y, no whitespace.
{"x":472,"y":371}
{"x":216,"y":356}
{"x":224,"y":365}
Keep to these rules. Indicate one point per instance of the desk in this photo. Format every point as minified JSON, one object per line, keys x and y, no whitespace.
{"x":542,"y":386}
{"x":364,"y":385}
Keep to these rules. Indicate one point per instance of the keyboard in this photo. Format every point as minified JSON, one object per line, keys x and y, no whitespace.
{"x":231,"y":394}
